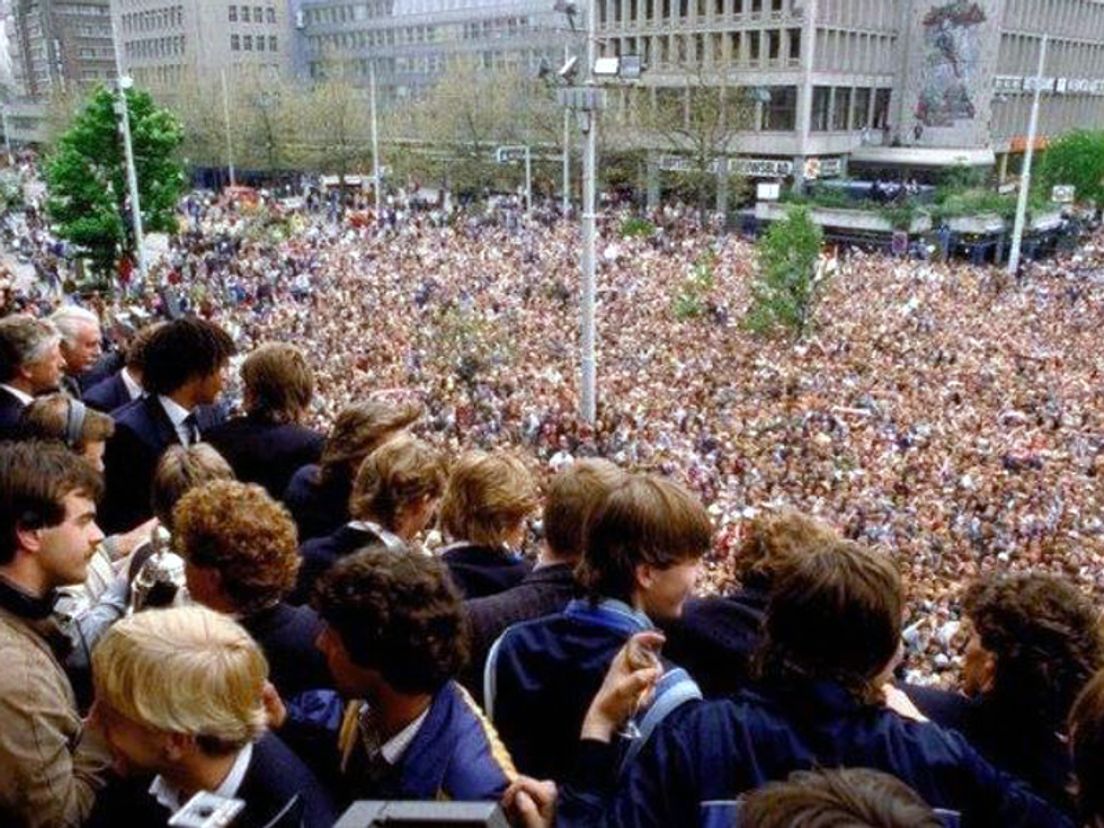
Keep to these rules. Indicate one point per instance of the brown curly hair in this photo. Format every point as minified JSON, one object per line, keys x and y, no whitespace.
{"x":767,"y":539}
{"x":1046,"y":637}
{"x":237,"y":529}
{"x":1086,"y":730}
{"x":396,"y":613}
{"x":486,"y":496}
{"x":398,"y":473}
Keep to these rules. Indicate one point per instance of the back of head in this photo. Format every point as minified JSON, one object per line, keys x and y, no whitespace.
{"x":834,"y":614}
{"x":243,"y":534}
{"x":23,"y":340}
{"x":1086,"y":730}
{"x":644,"y":520}
{"x":185,"y":670}
{"x":179,"y":471}
{"x":136,"y":350}
{"x":848,"y":798}
{"x":182,"y":350}
{"x":278,"y":382}
{"x":358,"y":431}
{"x":398,"y":473}
{"x":399,"y":614}
{"x":770,"y":538}
{"x":35,"y":478}
{"x":572,"y":495}
{"x":1046,"y":637}
{"x":486,"y":497}
{"x":60,"y":417}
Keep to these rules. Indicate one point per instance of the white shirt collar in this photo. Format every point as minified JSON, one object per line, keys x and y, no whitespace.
{"x":177,"y":414}
{"x":393,"y":749}
{"x":133,"y":388}
{"x":22,"y":396}
{"x":170,"y":797}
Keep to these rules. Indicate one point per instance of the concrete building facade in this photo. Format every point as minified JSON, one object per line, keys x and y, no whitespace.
{"x":167,"y":43}
{"x":412,"y":42}
{"x":884,"y":82}
{"x":60,"y":44}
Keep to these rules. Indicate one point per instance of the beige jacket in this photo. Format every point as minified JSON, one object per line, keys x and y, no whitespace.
{"x":50,"y":773}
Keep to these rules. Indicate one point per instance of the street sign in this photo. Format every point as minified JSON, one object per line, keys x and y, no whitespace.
{"x":585,"y":98}
{"x":506,"y":155}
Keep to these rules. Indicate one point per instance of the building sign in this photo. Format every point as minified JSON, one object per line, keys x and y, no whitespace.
{"x":755,"y":167}
{"x":762,"y":167}
{"x":1004,"y":84}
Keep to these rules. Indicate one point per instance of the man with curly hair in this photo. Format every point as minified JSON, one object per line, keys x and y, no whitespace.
{"x":241,"y":558}
{"x":1035,"y":641}
{"x":396,"y":637}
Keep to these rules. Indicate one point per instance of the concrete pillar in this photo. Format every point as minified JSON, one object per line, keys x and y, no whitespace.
{"x":722,"y":188}
{"x":1002,"y":168}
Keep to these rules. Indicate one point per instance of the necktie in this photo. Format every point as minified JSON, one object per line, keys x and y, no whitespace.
{"x":191,"y":428}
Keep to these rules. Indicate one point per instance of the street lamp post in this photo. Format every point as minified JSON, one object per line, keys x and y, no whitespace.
{"x":1029,"y":155}
{"x":566,"y":197}
{"x":375,"y":138}
{"x":123,"y":83}
{"x":588,"y":396}
{"x":226,"y":117}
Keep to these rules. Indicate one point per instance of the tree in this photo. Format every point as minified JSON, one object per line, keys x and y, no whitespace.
{"x":334,"y":122}
{"x":789,"y":284}
{"x":87,"y":182}
{"x":1076,"y":159}
{"x":699,"y":122}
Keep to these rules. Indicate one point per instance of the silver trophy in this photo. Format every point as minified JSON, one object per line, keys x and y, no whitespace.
{"x":160,"y":580}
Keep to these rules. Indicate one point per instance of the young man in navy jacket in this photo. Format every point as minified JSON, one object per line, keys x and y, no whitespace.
{"x":831,"y":640}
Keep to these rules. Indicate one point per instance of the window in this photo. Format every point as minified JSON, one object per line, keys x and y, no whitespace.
{"x":780,"y":113}
{"x":821,"y":97}
{"x":272,"y":43}
{"x":258,"y":14}
{"x":841,"y":107}
{"x":881,"y":108}
{"x":270,"y":15}
{"x":247,"y":43}
{"x":235,"y":43}
{"x":233,"y":10}
{"x":861,"y":106}
{"x":260,"y":43}
{"x":245,"y":14}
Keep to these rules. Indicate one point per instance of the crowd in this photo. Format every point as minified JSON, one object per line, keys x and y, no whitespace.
{"x":833,"y":534}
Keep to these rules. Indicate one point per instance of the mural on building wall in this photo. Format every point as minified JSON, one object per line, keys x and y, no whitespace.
{"x":952,"y":55}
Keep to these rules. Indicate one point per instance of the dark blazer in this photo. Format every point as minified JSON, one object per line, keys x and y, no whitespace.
{"x":142,"y":433}
{"x":11,"y":415}
{"x":480,"y":570}
{"x":715,"y":639}
{"x":544,"y":591}
{"x":279,"y":790}
{"x":319,"y":554}
{"x":1023,"y":745}
{"x":266,"y":453}
{"x":287,"y":636}
{"x":317,"y":509}
{"x":110,"y":363}
{"x":108,"y":394}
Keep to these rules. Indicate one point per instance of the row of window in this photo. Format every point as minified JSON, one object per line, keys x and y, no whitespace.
{"x":839,"y":50}
{"x":843,"y":108}
{"x":1070,"y":18}
{"x":1019,"y":55}
{"x":617,"y":12}
{"x":775,"y":47}
{"x":250,"y":43}
{"x":84,"y":9}
{"x":259,"y":14}
{"x":496,"y":27}
{"x":153,"y":19}
{"x":155,"y":47}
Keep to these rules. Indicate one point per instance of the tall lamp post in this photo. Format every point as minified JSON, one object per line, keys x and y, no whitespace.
{"x":123,"y":83}
{"x":1029,"y":155}
{"x":375,"y":138}
{"x":226,"y":119}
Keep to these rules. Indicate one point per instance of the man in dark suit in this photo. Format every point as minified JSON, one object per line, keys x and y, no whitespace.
{"x":572,"y":496}
{"x":269,"y":443}
{"x":81,"y":344}
{"x":123,"y":386}
{"x":184,"y":362}
{"x":181,"y":693}
{"x":30,"y":363}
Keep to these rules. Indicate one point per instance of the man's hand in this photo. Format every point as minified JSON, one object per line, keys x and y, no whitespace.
{"x":530,"y":803}
{"x":624,"y":688}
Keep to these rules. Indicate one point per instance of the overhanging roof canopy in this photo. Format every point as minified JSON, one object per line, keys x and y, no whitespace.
{"x":923,"y":156}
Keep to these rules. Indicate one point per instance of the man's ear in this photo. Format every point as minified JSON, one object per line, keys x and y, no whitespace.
{"x":643,"y":576}
{"x":989,"y":672}
{"x":27,"y":538}
{"x":178,"y":745}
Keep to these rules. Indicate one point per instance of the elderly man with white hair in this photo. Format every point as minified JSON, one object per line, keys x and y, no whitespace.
{"x":81,"y":343}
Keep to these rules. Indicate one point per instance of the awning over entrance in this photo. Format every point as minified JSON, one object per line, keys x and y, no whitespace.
{"x":923,"y":157}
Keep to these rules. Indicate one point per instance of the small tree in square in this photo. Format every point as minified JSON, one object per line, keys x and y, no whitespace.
{"x":789,"y":284}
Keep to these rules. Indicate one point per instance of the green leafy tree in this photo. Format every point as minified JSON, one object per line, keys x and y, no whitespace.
{"x":1076,"y":159}
{"x":87,"y":183}
{"x":788,"y":285}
